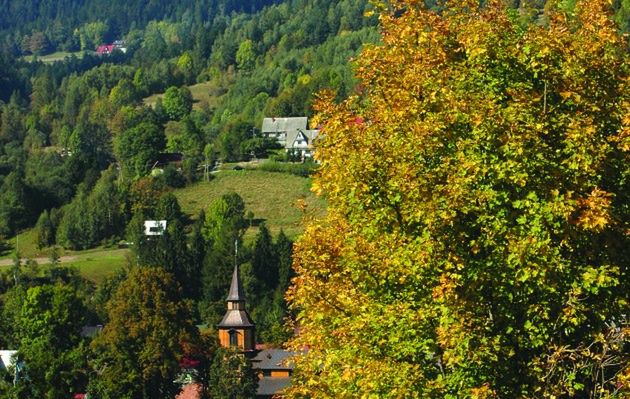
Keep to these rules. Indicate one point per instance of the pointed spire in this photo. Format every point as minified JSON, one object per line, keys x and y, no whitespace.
{"x":236,"y":328}
{"x":236,"y":288}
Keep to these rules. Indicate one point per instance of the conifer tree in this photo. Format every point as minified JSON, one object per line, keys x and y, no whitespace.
{"x":223,"y":230}
{"x":45,"y":231}
{"x":264,"y":261}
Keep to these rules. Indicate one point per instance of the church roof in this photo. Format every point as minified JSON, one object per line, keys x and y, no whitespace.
{"x":236,"y":318}
{"x":274,"y":359}
{"x":236,"y":288}
{"x":268,"y":387}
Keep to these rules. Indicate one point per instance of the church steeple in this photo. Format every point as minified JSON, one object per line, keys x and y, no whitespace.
{"x":236,"y":329}
{"x":236,"y":288}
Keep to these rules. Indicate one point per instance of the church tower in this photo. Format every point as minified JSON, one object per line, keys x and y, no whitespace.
{"x":236,"y":330}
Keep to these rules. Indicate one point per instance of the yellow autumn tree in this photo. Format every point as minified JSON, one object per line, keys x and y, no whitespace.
{"x":478,"y":236}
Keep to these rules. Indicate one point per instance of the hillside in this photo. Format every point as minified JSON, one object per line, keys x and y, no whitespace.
{"x":202,"y":94}
{"x":71,"y":24}
{"x":272,"y":197}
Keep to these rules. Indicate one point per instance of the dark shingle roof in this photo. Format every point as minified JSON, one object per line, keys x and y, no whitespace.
{"x":271,"y":386}
{"x":236,"y":318}
{"x":273,"y":125}
{"x":273,"y":359}
{"x":236,"y":293}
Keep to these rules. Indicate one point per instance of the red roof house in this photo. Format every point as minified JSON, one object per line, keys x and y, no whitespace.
{"x":104,"y":49}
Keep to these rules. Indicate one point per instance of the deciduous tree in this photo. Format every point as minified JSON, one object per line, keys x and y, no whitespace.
{"x":48,"y":333}
{"x":139,"y":147}
{"x":139,"y":350}
{"x":476,"y":243}
{"x":45,"y":231}
{"x":177,"y":102}
{"x":231,"y":376}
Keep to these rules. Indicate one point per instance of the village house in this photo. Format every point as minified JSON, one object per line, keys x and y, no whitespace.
{"x":9,"y":362}
{"x":292,"y":133}
{"x":167,"y":159}
{"x":272,"y":366}
{"x":107,"y":49}
{"x":274,"y":369}
{"x":6,"y":359}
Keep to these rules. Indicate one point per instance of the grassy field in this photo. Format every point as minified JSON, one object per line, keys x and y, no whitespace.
{"x":272,"y":197}
{"x":54,"y":57}
{"x":94,"y":264}
{"x":201,"y":93}
{"x":98,"y":265}
{"x":26,"y":244}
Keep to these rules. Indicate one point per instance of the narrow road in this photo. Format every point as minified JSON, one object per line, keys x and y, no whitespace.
{"x":40,"y":261}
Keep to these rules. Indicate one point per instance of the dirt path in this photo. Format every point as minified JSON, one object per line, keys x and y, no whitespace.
{"x":40,"y":261}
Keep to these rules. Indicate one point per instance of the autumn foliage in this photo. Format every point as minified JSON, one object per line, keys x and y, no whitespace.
{"x":478,"y":236}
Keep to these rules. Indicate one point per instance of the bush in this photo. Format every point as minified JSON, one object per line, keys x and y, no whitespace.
{"x":171,"y":177}
{"x":299,"y":169}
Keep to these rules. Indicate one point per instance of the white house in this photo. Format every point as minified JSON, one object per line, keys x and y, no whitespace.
{"x":292,"y":133}
{"x":7,"y":358}
{"x":154,"y":227}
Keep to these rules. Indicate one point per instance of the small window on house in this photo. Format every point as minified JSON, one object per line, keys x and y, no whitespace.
{"x":233,"y":338}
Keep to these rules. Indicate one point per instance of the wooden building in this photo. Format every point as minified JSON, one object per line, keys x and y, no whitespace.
{"x":236,"y":330}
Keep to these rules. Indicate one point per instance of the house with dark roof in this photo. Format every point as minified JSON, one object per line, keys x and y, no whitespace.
{"x":237,"y":330}
{"x":272,"y":366}
{"x":292,"y":133}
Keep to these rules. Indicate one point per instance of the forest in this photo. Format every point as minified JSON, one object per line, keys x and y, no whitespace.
{"x":78,"y":145}
{"x":63,"y":124}
{"x":486,"y":257}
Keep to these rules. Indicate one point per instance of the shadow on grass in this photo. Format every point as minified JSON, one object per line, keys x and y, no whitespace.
{"x":5,"y":248}
{"x":255,"y":222}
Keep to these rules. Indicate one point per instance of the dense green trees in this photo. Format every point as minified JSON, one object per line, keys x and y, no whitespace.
{"x":223,"y":230}
{"x":138,"y":148}
{"x":231,"y":376}
{"x":50,"y":342}
{"x":138,"y":353}
{"x":45,"y":324}
{"x":15,"y":204}
{"x":269,"y":280}
{"x":45,"y":230}
{"x":177,"y":102}
{"x":76,"y":24}
{"x":476,"y":239}
{"x":91,"y":216}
